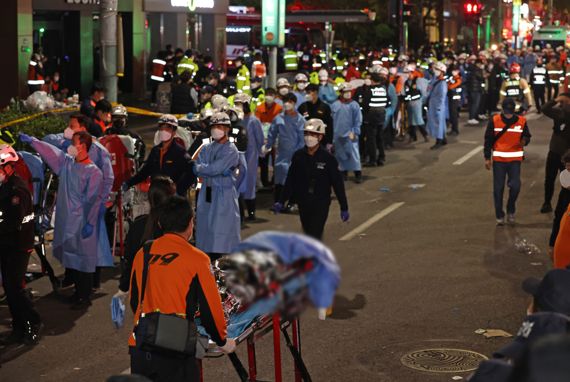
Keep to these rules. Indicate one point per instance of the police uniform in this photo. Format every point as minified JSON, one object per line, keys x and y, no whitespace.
{"x":309,"y":182}
{"x":16,"y":244}
{"x":375,"y":103}
{"x":454,"y":92}
{"x":539,"y":81}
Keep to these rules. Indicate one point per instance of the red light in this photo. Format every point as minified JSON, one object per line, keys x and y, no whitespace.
{"x":475,"y":8}
{"x":469,"y":8}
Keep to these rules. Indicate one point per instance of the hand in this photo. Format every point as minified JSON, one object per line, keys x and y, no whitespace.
{"x":228,"y":172}
{"x":122,"y":295}
{"x":488,"y":164}
{"x":125,"y":187}
{"x":344,"y":216}
{"x":265,"y":150}
{"x":86,"y":231}
{"x":277,"y":207}
{"x":230,"y":346}
{"x":351,"y":136}
{"x":329,"y":147}
{"x":25,"y":138}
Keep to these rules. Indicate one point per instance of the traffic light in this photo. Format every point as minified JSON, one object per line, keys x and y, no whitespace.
{"x":471,"y":11}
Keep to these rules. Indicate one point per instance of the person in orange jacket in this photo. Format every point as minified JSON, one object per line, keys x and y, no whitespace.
{"x":560,"y":235}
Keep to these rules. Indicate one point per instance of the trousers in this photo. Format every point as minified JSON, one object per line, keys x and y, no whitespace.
{"x":374,"y":138}
{"x":512,"y":172}
{"x":313,"y":218}
{"x":553,"y":166}
{"x":159,"y":368}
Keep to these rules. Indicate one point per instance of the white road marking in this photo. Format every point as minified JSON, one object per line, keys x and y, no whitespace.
{"x":467,"y":156}
{"x":367,"y":224}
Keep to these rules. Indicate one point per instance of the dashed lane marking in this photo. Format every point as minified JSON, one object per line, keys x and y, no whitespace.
{"x":374,"y":219}
{"x":467,"y":156}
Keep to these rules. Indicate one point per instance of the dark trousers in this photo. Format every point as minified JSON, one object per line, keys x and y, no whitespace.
{"x":264,"y":168}
{"x":550,"y":89}
{"x":14,"y":265}
{"x":538,"y":92}
{"x":362,"y":140}
{"x":162,"y":369}
{"x":313,"y":218}
{"x":512,"y":172}
{"x":454,"y":114}
{"x":553,"y":166}
{"x":374,"y":138}
{"x":474,"y":101}
{"x":493,"y":99}
{"x":83,"y":284}
{"x":250,"y":205}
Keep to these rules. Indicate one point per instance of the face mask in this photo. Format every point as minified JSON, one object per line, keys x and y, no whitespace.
{"x":323,"y":81}
{"x":301,"y":85}
{"x":311,"y":141}
{"x":269,"y":99}
{"x":72,"y":150}
{"x":164,"y":135}
{"x":283,"y":91}
{"x":367,"y":81}
{"x":455,"y":72}
{"x":68,"y":133}
{"x":347,"y":95}
{"x":288,"y":106}
{"x":217,"y":134}
{"x":308,"y":98}
{"x":437,"y":73}
{"x":393,"y":71}
{"x":212,"y":83}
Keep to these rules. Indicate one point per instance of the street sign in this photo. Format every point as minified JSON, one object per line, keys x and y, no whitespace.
{"x":273,"y":22}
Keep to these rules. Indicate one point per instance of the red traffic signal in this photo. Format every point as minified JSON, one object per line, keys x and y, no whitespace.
{"x":471,"y":10}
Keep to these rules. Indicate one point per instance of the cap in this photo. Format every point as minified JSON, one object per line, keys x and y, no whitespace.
{"x":220,"y":118}
{"x":282,"y":82}
{"x":515,"y":68}
{"x":375,"y":69}
{"x":509,"y":106}
{"x":168,"y":119}
{"x":301,"y":77}
{"x":535,"y":326}
{"x":207,"y":89}
{"x":551,"y":293}
{"x":492,"y":370}
{"x":315,"y":125}
{"x":403,"y":57}
{"x":7,"y":154}
{"x":548,"y":359}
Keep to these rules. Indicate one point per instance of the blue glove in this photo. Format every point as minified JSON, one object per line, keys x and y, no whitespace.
{"x":228,"y":172}
{"x":86,"y":231}
{"x":124,"y":187}
{"x":25,"y":138}
{"x":277,"y":207}
{"x":118,"y":311}
{"x":344,"y":216}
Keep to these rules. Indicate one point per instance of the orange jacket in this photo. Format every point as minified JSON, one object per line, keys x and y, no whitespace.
{"x":508,"y":148}
{"x":180,"y":281}
{"x":267,"y":115}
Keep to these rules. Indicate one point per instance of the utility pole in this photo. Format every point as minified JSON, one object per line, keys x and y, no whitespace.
{"x":550,"y":10}
{"x":108,"y":19}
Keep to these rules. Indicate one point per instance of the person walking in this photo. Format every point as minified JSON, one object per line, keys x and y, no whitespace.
{"x":539,"y":83}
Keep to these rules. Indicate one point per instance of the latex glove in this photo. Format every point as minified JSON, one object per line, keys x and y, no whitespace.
{"x":344,"y":216}
{"x":86,"y":231}
{"x":265,"y":150}
{"x":228,"y":172}
{"x":25,"y":138}
{"x":125,"y":187}
{"x":277,"y":207}
{"x":351,"y":136}
{"x":229,"y":347}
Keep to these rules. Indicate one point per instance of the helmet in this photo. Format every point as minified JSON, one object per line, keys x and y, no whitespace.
{"x":206,"y":113}
{"x":301,"y":77}
{"x":345,"y":87}
{"x":375,"y":69}
{"x":220,"y":118}
{"x":407,"y":69}
{"x":282,"y":82}
{"x":119,"y":111}
{"x":403,"y":57}
{"x":315,"y":125}
{"x":515,"y":68}
{"x":440,"y":66}
{"x":383,"y":71}
{"x":242,"y":98}
{"x":219,"y":101}
{"x":7,"y":154}
{"x":168,"y":119}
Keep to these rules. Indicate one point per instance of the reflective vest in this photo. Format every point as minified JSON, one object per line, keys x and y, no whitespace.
{"x":337,"y":81}
{"x":508,"y":147}
{"x":242,"y":80}
{"x":186,"y":63}
{"x":339,"y":64}
{"x":158,"y":70}
{"x":290,"y":58}
{"x":259,"y":69}
{"x":454,"y":88}
{"x":539,"y":75}
{"x":323,"y":57}
{"x":411,"y":92}
{"x":257,"y":98}
{"x":513,"y":89}
{"x":34,"y":77}
{"x":555,"y":76}
{"x":317,"y":65}
{"x":379,"y":97}
{"x":314,"y":78}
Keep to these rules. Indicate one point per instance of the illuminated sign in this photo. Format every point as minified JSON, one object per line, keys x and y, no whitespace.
{"x":192,"y":4}
{"x":238,"y":29}
{"x":273,"y":22}
{"x":95,"y":2}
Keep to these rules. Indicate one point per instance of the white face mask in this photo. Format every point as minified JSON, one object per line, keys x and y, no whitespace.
{"x":436,"y":72}
{"x":347,"y":95}
{"x":269,"y":99}
{"x":308,"y":98}
{"x":301,"y":85}
{"x":56,"y":78}
{"x":68,"y":133}
{"x":283,"y":91}
{"x":217,"y":134}
{"x":72,"y":150}
{"x":288,"y":106}
{"x":311,"y":141}
{"x":164,"y":135}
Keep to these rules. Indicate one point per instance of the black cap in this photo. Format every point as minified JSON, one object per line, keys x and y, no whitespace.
{"x":535,"y":326}
{"x":548,"y":360}
{"x":207,"y":89}
{"x":552,"y":293}
{"x":290,"y":97}
{"x":493,"y":370}
{"x":509,"y":105}
{"x":312,"y":88}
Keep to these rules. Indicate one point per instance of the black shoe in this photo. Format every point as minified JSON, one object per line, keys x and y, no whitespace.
{"x":14,"y":337}
{"x":379,"y":163}
{"x":358,"y":179}
{"x":32,"y":333}
{"x":81,"y":304}
{"x":369,"y":164}
{"x":250,"y":218}
{"x":546,"y":208}
{"x":66,"y":284}
{"x":436,"y":146}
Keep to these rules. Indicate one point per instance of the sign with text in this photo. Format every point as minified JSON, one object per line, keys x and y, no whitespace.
{"x":273,"y":22}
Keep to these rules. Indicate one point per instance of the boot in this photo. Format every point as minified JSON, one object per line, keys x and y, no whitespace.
{"x":358,"y":177}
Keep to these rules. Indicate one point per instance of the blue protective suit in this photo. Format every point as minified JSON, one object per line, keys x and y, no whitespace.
{"x":241,"y":172}
{"x":300,"y":98}
{"x":217,"y":220}
{"x":79,"y":197}
{"x":102,"y":159}
{"x":390,"y":110}
{"x":289,"y":130}
{"x":37,"y":168}
{"x":327,"y":94}
{"x":322,"y":281}
{"x":347,"y":118}
{"x":415,"y":108}
{"x":437,"y":98}
{"x":255,"y":140}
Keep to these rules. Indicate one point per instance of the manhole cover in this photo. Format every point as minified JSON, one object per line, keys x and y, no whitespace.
{"x":443,"y":360}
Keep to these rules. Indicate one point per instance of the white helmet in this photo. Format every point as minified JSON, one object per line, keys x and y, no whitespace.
{"x":301,"y":77}
{"x":220,"y":118}
{"x":315,"y":125}
{"x":207,"y":113}
{"x":7,"y":154}
{"x":440,"y":66}
{"x":242,"y":98}
{"x":345,"y":87}
{"x":119,"y":111}
{"x":282,"y":82}
{"x":219,"y":101}
{"x":168,"y":119}
{"x":403,"y":57}
{"x":375,"y":69}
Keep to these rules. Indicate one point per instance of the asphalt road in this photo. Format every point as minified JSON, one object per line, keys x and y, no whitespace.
{"x":427,"y":269}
